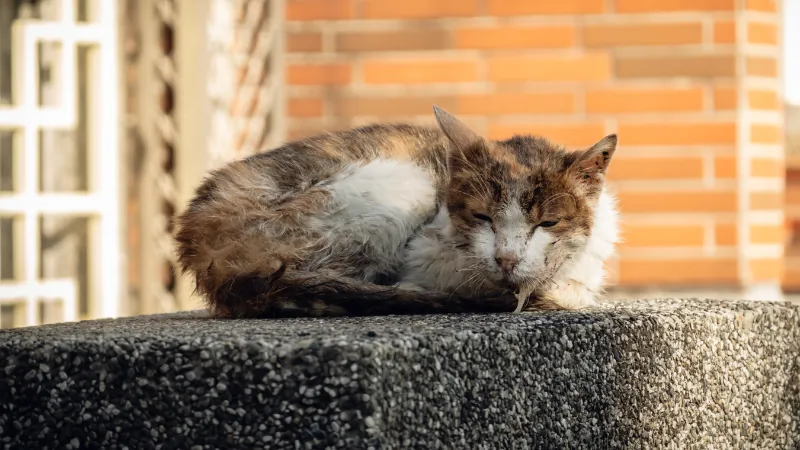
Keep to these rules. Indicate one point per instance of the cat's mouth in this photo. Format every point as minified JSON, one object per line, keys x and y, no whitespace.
{"x":510,"y":283}
{"x":515,"y":282}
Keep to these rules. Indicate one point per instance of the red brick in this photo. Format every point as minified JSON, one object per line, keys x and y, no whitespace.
{"x":766,"y":269}
{"x":324,"y":74}
{"x":641,"y":6}
{"x":515,"y":37}
{"x":725,"y":167}
{"x":587,"y":67}
{"x":500,"y":104}
{"x":725,"y":97}
{"x":670,"y":66}
{"x":724,"y":32}
{"x":762,"y":66}
{"x":762,"y":33}
{"x":677,"y":134}
{"x":635,"y":100}
{"x":418,"y":9}
{"x":303,"y":42}
{"x":766,"y":100}
{"x":765,"y":134}
{"x":766,"y":234}
{"x":681,"y":272}
{"x":319,"y":9}
{"x":380,"y":71}
{"x":393,"y":40}
{"x":662,"y":236}
{"x":642,"y":34}
{"x":766,"y":200}
{"x":762,"y":5}
{"x":627,"y":168}
{"x":539,"y":7}
{"x":677,"y":202}
{"x":726,"y":234}
{"x":767,"y":167}
{"x":305,"y":107}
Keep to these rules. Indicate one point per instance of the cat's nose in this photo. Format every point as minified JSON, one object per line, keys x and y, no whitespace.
{"x":506,"y":261}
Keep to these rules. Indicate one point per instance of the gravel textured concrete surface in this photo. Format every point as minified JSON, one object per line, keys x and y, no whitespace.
{"x":649,"y":374}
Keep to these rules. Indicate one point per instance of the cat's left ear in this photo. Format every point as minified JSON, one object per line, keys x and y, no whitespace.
{"x":592,"y":165}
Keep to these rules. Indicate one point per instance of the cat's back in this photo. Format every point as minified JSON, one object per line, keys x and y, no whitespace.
{"x":384,"y":140}
{"x":401,"y":142}
{"x":305,"y":162}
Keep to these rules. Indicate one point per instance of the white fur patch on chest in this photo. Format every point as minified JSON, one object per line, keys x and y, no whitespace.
{"x":581,"y":279}
{"x":391,"y":184}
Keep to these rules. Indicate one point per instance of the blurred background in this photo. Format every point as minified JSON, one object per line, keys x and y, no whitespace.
{"x":111,"y":111}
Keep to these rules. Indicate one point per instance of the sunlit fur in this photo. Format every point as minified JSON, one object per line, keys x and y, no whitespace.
{"x":381,"y":220}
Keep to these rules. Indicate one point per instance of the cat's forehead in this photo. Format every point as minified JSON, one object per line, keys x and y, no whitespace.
{"x":543,"y":188}
{"x":537,"y":153}
{"x":523,"y":170}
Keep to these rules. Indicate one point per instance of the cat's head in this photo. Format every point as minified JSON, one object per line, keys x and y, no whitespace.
{"x":523,"y":206}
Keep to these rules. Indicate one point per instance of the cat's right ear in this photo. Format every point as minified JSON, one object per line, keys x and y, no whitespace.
{"x":459,"y":134}
{"x":592,"y":165}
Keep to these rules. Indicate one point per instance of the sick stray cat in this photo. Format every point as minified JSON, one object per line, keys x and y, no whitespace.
{"x":401,"y":219}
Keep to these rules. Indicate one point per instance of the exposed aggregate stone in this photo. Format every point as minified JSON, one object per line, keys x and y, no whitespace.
{"x":649,"y":374}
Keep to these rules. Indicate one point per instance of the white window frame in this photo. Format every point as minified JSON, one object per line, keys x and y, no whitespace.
{"x":26,"y":118}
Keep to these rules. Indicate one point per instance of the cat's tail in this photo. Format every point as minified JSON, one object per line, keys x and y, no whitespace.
{"x":301,"y":294}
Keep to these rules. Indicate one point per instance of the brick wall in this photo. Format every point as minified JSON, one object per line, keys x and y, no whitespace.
{"x":690,"y":86}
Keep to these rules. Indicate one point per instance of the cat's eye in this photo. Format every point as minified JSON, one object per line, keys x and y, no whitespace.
{"x":482,"y":217}
{"x":548,"y":223}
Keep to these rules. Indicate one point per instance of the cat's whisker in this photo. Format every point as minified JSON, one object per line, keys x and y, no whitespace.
{"x":483,"y":280}
{"x":469,"y":195}
{"x":462,"y":284}
{"x":468,"y":269}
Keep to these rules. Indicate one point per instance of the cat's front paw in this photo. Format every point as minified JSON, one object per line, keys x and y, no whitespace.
{"x":571,"y":296}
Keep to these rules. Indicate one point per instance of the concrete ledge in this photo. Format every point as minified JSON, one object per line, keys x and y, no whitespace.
{"x":649,"y":374}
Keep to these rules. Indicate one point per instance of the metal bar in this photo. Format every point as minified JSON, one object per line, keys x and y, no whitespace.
{"x":67,"y":204}
{"x":45,"y":31}
{"x":45,"y":117}
{"x":47,"y":290}
{"x":25,"y":81}
{"x":107,"y":153}
{"x":56,"y":290}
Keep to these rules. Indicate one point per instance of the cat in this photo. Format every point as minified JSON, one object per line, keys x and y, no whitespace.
{"x":402,"y":219}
